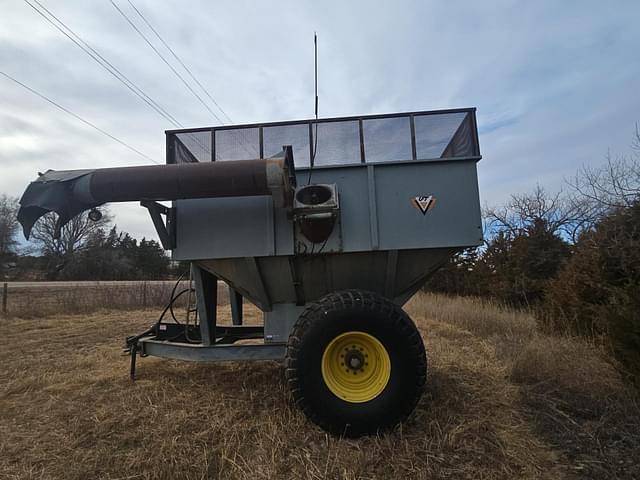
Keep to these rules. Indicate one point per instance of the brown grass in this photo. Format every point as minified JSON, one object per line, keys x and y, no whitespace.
{"x":571,"y":371}
{"x":483,"y":318}
{"x":68,"y":410}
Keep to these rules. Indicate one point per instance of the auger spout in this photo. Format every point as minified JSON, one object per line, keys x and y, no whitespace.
{"x":71,"y":192}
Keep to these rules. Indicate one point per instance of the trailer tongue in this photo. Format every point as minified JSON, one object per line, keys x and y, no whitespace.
{"x":329,"y":263}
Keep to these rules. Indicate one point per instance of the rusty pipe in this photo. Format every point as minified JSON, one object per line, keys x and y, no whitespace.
{"x":174,"y":182}
{"x":71,"y":192}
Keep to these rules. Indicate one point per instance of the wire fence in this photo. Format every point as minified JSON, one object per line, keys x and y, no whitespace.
{"x":49,"y":299}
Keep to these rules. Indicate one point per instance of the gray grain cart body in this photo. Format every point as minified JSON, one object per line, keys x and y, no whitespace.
{"x":388,"y":200}
{"x":381,"y":241}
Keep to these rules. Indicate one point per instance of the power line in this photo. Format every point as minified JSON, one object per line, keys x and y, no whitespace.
{"x":116,"y":73}
{"x":133,"y":25}
{"x":109,"y":67}
{"x":86,"y":122}
{"x":104,"y":63}
{"x":180,"y":61}
{"x":182,"y":79}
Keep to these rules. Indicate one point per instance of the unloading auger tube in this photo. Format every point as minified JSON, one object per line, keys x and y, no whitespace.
{"x":70,"y":192}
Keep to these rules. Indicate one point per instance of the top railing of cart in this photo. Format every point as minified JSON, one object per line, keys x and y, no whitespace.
{"x":370,"y":139}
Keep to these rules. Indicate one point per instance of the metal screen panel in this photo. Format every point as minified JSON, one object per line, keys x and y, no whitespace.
{"x":462,"y":144}
{"x":237,"y":144}
{"x":192,"y":147}
{"x":338,"y":143}
{"x":274,"y":138}
{"x":387,"y":139}
{"x":341,"y":141}
{"x":434,"y":133}
{"x":178,"y":153}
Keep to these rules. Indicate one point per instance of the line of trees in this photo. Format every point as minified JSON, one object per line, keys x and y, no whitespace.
{"x":573,"y":256}
{"x":85,"y":250}
{"x":8,"y":226}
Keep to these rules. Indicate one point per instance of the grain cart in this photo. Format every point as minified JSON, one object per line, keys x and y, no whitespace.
{"x":329,"y":253}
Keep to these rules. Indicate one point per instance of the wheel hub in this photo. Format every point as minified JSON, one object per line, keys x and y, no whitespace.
{"x":354,"y":360}
{"x":356,"y":367}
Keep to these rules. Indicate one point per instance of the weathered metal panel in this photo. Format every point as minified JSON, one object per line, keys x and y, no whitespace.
{"x":279,"y":322}
{"x":454,"y":220}
{"x":213,"y":353}
{"x":278,"y":278}
{"x":225,"y":228}
{"x":376,"y":209}
{"x":353,"y":191}
{"x":283,"y":231}
{"x":322,"y":274}
{"x":244,"y":275}
{"x":369,"y":195}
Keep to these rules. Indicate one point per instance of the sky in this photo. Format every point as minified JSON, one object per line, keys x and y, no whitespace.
{"x":556,"y":84}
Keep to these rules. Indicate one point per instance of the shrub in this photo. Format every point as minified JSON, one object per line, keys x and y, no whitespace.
{"x":597,"y":291}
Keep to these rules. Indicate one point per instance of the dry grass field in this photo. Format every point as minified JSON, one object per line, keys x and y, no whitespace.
{"x":502,"y":401}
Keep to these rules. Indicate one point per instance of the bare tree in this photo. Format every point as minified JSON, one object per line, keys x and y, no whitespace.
{"x":558,"y":213}
{"x":8,"y":224}
{"x":614,"y":185}
{"x":73,"y":236}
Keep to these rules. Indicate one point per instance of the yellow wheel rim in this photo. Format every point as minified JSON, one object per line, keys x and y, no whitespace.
{"x":356,"y":367}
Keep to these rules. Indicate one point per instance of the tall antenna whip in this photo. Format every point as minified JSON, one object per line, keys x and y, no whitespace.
{"x":315,"y":48}
{"x":315,"y":140}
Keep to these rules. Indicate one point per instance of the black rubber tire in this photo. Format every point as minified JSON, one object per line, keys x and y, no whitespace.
{"x":331,"y":316}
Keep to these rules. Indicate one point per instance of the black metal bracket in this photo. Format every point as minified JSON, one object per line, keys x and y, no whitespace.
{"x":132,"y":347}
{"x":166,"y":229}
{"x":132,"y":365}
{"x":295,"y":279}
{"x":235,"y":299}
{"x":225,"y":334}
{"x":291,"y":168}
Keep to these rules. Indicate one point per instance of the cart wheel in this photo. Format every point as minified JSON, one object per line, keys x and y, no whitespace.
{"x":355,"y":363}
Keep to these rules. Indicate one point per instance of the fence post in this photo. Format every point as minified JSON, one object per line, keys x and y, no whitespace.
{"x":144,"y":294}
{"x":5,"y":294}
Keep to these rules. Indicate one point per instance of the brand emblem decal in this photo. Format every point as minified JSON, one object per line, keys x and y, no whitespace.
{"x":424,"y":203}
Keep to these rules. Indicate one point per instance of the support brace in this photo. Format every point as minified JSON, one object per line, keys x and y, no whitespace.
{"x":207,"y":302}
{"x":235,"y":300}
{"x":165,"y":230}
